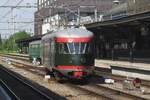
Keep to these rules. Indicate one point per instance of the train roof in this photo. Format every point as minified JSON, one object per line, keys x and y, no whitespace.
{"x":70,"y":33}
{"x":35,"y":42}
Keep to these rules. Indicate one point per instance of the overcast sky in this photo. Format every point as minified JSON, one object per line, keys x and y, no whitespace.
{"x":21,"y":15}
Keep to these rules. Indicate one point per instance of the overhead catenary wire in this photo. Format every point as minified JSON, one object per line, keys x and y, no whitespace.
{"x":9,"y":12}
{"x":17,"y":6}
{"x":65,"y":7}
{"x":12,"y":16}
{"x":5,"y":3}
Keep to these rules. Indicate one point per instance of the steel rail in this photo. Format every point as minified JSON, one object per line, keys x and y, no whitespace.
{"x":25,"y":83}
{"x":89,"y":92}
{"x":117,"y":77}
{"x":97,"y":71}
{"x":135,"y":97}
{"x":9,"y":91}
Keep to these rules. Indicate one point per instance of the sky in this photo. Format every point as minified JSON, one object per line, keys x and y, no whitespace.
{"x":19,"y":15}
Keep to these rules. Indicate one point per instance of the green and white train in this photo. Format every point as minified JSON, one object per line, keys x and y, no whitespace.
{"x":35,"y":50}
{"x":67,"y":53}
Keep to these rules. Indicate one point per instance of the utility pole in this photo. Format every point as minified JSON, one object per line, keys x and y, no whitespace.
{"x":13,"y":26}
{"x":79,"y":15}
{"x":95,"y":11}
{"x":12,"y":19}
{"x":13,"y":16}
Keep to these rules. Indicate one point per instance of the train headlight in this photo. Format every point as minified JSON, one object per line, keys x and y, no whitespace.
{"x":70,"y":40}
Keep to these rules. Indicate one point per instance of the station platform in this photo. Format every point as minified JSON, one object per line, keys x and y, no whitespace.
{"x":19,"y":54}
{"x":125,"y":68}
{"x":125,"y":64}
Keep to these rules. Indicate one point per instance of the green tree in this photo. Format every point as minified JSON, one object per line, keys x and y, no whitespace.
{"x":10,"y":44}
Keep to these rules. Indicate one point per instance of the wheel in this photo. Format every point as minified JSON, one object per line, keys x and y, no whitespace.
{"x":84,"y":81}
{"x":38,"y":61}
{"x":59,"y":78}
{"x":30,"y":59}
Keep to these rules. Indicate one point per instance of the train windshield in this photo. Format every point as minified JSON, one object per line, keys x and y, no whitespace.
{"x":74,"y":48}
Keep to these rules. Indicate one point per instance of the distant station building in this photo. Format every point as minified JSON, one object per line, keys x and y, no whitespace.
{"x":124,"y":33}
{"x":58,"y":14}
{"x":126,"y":8}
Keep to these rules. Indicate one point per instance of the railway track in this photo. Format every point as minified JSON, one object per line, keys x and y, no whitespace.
{"x":111,"y":94}
{"x":5,"y":92}
{"x":99,"y":71}
{"x":108,"y":73}
{"x":34,"y":70}
{"x":92,"y":88}
{"x":18,"y":57}
{"x":22,"y":88}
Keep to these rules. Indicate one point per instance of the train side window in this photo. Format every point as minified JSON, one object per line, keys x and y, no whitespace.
{"x":85,"y":48}
{"x":77,"y":47}
{"x":88,"y":48}
{"x":81,"y":47}
{"x":71,"y":48}
{"x":74,"y":48}
{"x":66,"y":49}
{"x":63,"y":48}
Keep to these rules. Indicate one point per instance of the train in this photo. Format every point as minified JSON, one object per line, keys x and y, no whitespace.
{"x":66,"y":53}
{"x":35,"y":51}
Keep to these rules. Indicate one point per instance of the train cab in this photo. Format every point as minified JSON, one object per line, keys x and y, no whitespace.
{"x":70,"y":53}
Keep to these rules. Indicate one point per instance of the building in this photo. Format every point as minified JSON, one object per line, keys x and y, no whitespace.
{"x":125,"y":35}
{"x":57,"y":14}
{"x":127,"y":8}
{"x":138,"y":6}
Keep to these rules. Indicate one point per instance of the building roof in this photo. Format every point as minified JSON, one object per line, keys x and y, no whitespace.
{"x":128,"y":20}
{"x":27,"y":40}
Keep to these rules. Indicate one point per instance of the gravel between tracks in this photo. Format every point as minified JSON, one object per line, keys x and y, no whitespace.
{"x":61,"y":89}
{"x":67,"y":92}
